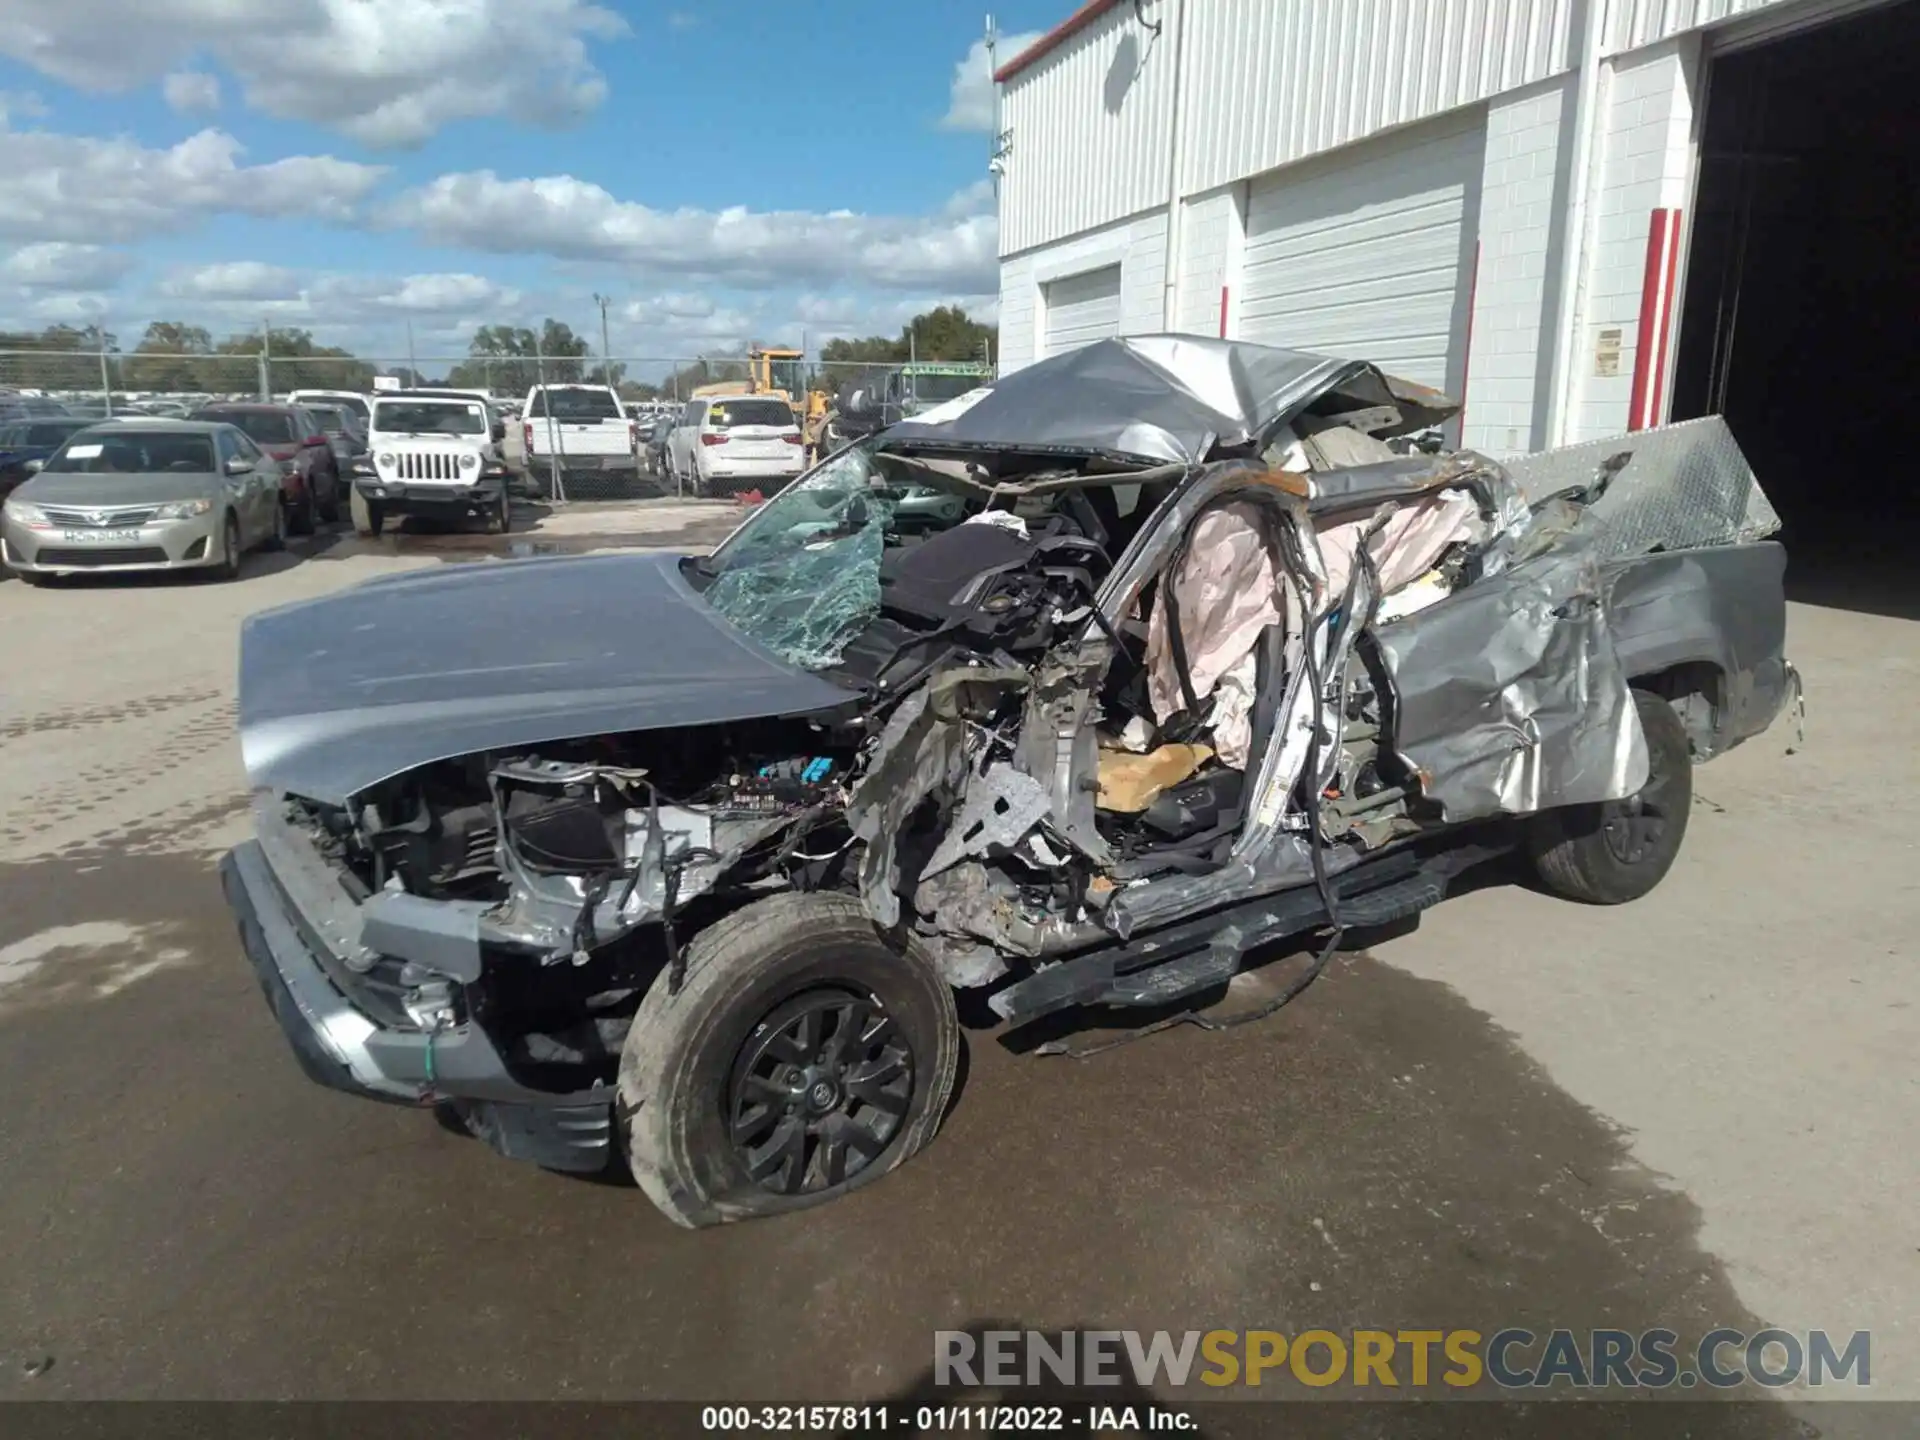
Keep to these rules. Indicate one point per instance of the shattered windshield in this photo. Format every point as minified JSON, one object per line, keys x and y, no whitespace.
{"x":802,"y":577}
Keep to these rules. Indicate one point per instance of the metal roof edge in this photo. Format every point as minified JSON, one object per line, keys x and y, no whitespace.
{"x":1054,"y":38}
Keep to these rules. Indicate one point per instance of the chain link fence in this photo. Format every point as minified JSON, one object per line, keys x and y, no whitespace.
{"x":53,"y":381}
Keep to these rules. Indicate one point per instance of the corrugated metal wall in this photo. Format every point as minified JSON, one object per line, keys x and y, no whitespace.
{"x":1268,"y":82}
{"x":1091,"y":126}
{"x":1368,"y":254}
{"x":1633,"y":23}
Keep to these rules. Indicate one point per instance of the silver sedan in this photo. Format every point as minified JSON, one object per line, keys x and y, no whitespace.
{"x":145,"y":495}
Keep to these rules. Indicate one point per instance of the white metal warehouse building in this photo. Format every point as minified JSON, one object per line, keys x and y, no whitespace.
{"x":1579,"y":216}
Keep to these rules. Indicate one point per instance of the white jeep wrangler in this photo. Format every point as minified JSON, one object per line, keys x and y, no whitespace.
{"x":433,"y":455}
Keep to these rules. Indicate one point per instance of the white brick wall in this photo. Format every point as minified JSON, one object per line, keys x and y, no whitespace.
{"x":1511,"y":357}
{"x":1138,"y":246}
{"x":1643,"y":162}
{"x":1213,"y":229}
{"x":1019,"y":312}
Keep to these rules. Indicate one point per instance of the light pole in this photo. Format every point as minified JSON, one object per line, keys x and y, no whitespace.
{"x":606,"y":351}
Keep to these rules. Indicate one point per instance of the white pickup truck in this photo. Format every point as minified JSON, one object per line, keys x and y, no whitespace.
{"x":577,"y":430}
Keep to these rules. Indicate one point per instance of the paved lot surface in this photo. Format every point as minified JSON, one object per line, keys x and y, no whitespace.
{"x":1699,"y":1110}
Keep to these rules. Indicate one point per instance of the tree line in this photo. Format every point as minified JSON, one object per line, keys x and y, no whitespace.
{"x":178,"y":358}
{"x":172,"y":356}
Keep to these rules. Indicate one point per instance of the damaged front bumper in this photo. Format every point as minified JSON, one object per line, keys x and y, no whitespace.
{"x":339,"y":1045}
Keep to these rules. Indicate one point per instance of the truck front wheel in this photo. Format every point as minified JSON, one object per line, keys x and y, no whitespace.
{"x":802,"y":1057}
{"x":1610,"y":853}
{"x":368,"y":518}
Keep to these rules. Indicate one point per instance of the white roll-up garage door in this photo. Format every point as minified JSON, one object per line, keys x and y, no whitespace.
{"x":1365,"y":253}
{"x":1082,"y":308}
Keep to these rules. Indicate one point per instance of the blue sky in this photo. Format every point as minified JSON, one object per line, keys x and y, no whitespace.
{"x":752,"y":171}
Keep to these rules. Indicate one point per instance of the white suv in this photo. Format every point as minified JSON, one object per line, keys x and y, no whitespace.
{"x":431,"y":455}
{"x":724,"y":444}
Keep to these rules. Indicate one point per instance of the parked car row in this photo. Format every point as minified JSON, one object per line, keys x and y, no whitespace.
{"x":431,"y":452}
{"x":25,"y":445}
{"x":312,"y":482}
{"x":155,"y":495}
{"x":149,"y":491}
{"x":712,"y":445}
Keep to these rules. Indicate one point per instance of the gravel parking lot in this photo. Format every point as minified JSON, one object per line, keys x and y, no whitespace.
{"x":1698,"y":1110}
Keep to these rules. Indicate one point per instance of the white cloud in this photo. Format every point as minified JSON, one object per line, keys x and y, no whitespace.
{"x":440,"y":294}
{"x":71,"y":187}
{"x":344,"y":297}
{"x":387,"y":72}
{"x":830,"y":317}
{"x":970,"y":97}
{"x":68,"y":307}
{"x":572,"y":219}
{"x":830,"y":311}
{"x":233,"y":280}
{"x":191,"y":92}
{"x":665,"y":309}
{"x":724,"y":329}
{"x":58,"y":265}
{"x":975,"y":199}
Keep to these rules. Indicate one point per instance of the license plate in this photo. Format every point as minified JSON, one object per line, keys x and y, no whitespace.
{"x":99,"y":537}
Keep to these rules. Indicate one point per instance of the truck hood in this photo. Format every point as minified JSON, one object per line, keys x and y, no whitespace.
{"x":340,"y":693}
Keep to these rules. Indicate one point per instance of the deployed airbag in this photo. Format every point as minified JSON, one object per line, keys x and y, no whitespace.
{"x":1227,"y":590}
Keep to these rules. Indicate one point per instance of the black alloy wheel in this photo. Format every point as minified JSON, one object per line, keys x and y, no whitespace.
{"x":804,"y":1054}
{"x":1618,"y":850}
{"x":819,"y":1089}
{"x":1635,"y":828}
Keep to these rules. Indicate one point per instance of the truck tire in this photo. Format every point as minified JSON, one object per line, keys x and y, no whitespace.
{"x":1614,"y":852}
{"x":803,"y":1057}
{"x":368,"y":518}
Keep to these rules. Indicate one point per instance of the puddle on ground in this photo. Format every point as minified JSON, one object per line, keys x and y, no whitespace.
{"x":89,"y":959}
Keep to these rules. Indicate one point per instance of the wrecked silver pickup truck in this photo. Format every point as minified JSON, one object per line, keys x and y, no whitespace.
{"x":1085,"y":687}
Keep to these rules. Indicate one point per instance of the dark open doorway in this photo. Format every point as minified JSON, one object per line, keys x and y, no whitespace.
{"x":1801,"y":319}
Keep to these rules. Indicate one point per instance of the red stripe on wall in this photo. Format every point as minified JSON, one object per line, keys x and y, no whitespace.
{"x":1656,"y":410}
{"x":1656,"y":301}
{"x":1223,"y":312}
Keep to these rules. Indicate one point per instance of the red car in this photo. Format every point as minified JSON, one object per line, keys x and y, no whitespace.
{"x":310,"y":483}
